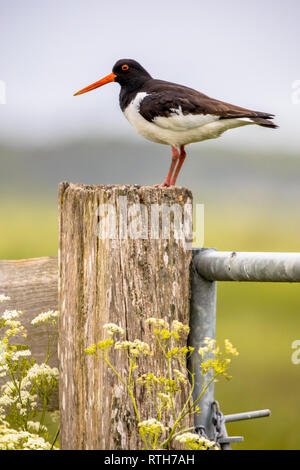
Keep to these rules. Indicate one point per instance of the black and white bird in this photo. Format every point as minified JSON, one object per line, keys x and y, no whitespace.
{"x":172,"y":114}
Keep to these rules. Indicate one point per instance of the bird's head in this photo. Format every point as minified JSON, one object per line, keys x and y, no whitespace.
{"x":127,"y":72}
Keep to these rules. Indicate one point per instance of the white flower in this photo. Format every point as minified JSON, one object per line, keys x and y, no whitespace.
{"x":113,"y":328}
{"x":202,"y":351}
{"x":2,"y":349}
{"x":42,"y":372}
{"x":195,"y":442}
{"x":210,"y":342}
{"x":15,"y":356}
{"x":3,"y":298}
{"x":46,"y":317}
{"x":36,"y":443}
{"x":35,"y":427}
{"x":12,"y":439}
{"x":11,"y":314}
{"x":229,"y":348}
{"x":6,"y":400}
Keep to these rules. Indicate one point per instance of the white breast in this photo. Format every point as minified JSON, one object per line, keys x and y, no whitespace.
{"x":145,"y":128}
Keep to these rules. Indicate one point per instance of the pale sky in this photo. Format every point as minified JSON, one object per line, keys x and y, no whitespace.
{"x":246,"y":53}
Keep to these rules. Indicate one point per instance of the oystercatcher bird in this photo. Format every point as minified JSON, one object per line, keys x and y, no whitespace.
{"x":172,"y":114}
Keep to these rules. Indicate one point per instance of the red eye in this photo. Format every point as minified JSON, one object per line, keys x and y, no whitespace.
{"x":125,"y":67}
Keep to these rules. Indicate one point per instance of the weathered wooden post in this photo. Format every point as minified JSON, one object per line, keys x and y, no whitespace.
{"x":123,"y":272}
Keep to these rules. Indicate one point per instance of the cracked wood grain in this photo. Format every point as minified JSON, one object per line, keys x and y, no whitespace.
{"x":123,"y":281}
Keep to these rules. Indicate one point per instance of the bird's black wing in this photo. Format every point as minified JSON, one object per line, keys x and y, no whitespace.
{"x":166,"y":98}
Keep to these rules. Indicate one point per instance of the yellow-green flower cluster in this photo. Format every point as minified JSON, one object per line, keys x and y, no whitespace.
{"x":10,"y":320}
{"x":180,"y":328}
{"x":152,"y":425}
{"x":149,"y":381}
{"x":162,"y":330}
{"x":165,"y":400}
{"x":230,"y":349}
{"x":180,"y":377}
{"x":92,"y":349}
{"x":105,"y":345}
{"x":134,"y":348}
{"x":162,"y":392}
{"x":213,"y":359}
{"x":161,"y":384}
{"x":151,"y":429}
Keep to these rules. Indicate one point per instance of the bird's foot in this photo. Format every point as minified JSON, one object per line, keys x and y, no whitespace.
{"x":165,"y":184}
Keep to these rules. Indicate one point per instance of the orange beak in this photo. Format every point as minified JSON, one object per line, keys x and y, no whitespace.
{"x":109,"y":78}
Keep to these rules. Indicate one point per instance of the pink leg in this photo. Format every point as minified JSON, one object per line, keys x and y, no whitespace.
{"x":175,"y":157}
{"x":179,"y":165}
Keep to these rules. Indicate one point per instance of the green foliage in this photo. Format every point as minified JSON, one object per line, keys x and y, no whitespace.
{"x":28,"y":227}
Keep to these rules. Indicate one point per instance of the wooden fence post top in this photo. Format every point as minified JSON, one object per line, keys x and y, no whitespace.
{"x":171,"y":191}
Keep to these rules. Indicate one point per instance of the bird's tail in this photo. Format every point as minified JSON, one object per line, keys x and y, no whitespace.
{"x":265,"y":121}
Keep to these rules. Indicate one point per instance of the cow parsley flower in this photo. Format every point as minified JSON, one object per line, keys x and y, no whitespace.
{"x":135,"y":347}
{"x":180,"y":376}
{"x":13,"y":439}
{"x":230,"y":349}
{"x":27,"y":385}
{"x":112,"y":328}
{"x":16,"y":355}
{"x":44,"y":318}
{"x":11,"y":314}
{"x":151,"y":426}
{"x":42,"y":372}
{"x":194,"y":442}
{"x":35,"y":427}
{"x":179,"y":327}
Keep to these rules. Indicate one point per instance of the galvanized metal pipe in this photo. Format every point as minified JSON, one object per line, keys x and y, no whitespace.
{"x":202,"y":324}
{"x":215,"y":265}
{"x":247,"y":415}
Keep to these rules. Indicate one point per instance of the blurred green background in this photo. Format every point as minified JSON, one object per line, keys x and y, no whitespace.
{"x":244,"y":210}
